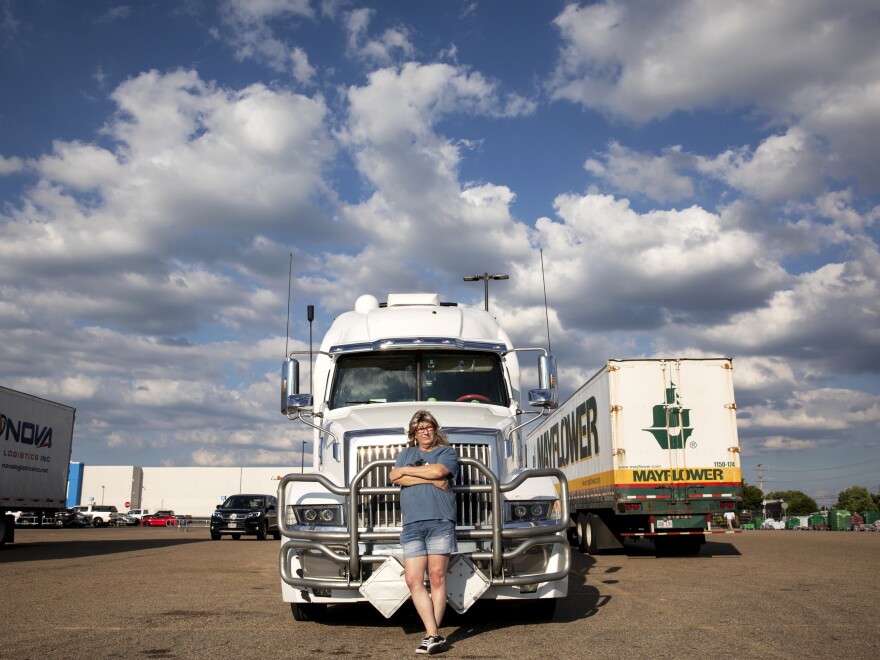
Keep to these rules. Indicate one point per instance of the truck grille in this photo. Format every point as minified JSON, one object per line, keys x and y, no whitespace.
{"x":383,"y":511}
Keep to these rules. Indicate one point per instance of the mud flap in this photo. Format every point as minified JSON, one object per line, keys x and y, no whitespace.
{"x":386,"y":588}
{"x":464,"y":583}
{"x":605,"y":538}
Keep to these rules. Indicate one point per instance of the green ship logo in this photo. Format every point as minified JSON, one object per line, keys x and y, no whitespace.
{"x":672,"y":423}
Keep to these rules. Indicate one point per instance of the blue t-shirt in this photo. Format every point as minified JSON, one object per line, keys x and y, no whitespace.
{"x":426,"y":501}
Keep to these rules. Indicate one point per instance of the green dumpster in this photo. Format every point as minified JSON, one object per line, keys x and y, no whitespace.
{"x":838,"y":519}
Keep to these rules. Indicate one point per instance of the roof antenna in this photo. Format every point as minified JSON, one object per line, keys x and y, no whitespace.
{"x":546,"y":313}
{"x":289,"y":279}
{"x":310,"y":313}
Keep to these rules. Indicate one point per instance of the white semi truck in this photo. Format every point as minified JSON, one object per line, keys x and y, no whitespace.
{"x":650,"y":450}
{"x":340,"y":521}
{"x":36,"y":436}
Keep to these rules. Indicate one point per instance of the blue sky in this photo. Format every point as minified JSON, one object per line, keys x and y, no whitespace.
{"x":701,"y":178}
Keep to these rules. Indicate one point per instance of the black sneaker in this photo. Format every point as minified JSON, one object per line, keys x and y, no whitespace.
{"x":431,"y":644}
{"x":436,"y":643}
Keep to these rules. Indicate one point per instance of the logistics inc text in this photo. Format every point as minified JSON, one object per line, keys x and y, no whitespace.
{"x":13,"y":453}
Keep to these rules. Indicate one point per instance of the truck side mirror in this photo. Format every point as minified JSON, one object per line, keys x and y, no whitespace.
{"x":547,"y":394}
{"x":291,"y":400}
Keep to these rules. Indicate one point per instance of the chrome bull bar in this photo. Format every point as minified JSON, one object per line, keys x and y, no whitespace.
{"x":321,"y":540}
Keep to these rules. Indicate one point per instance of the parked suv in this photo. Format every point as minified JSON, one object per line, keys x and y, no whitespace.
{"x":256,"y":515}
{"x":138,"y":513}
{"x":100,"y":513}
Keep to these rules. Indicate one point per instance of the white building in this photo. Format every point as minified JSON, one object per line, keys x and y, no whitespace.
{"x":193,"y":491}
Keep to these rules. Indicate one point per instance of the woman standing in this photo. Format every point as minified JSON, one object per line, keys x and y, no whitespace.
{"x":424,"y":470}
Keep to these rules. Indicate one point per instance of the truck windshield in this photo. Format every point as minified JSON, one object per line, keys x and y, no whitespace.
{"x":418,"y":376}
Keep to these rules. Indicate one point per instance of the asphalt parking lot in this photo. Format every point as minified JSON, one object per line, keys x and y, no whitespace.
{"x":163,"y":593}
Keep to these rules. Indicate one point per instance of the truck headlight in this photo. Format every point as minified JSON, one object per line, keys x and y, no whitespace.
{"x":319,"y":514}
{"x":532,"y":510}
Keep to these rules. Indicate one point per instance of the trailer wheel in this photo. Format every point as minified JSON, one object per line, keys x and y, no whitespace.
{"x":586,"y":533}
{"x":580,"y":531}
{"x":307,"y":611}
{"x":590,"y":535}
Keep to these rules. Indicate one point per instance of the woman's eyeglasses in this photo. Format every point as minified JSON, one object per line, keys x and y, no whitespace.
{"x":424,"y":429}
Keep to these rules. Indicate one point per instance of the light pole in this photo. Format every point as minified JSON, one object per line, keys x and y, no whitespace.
{"x":485,"y":277}
{"x":761,"y":486}
{"x":102,"y":495}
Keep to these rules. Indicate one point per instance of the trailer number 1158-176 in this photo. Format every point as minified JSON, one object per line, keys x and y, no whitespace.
{"x":725,"y":464}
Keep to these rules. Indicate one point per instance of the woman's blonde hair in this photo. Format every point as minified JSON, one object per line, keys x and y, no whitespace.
{"x":421,"y":417}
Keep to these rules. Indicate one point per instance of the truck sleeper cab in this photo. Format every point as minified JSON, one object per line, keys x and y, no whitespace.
{"x":341,"y":522}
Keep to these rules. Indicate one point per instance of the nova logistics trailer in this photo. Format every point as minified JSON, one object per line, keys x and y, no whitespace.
{"x":650,"y":450}
{"x":37,"y":436}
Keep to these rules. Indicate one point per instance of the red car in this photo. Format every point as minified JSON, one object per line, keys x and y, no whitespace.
{"x":160,"y":519}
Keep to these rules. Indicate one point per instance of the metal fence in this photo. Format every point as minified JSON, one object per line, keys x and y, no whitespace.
{"x":184,"y":524}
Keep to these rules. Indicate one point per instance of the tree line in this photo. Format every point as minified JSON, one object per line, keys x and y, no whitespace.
{"x":854,"y":499}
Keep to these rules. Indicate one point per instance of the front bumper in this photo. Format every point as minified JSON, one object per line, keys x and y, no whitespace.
{"x":235,"y":527}
{"x":514,"y":559}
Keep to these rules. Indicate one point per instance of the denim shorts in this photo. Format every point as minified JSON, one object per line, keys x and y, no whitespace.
{"x":428,"y":537}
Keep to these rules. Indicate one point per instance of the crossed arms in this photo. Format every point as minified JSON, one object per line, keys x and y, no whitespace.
{"x":434,"y":474}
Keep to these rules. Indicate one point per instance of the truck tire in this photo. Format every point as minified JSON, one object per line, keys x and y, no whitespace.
{"x":261,"y":533}
{"x":307,"y":611}
{"x":7,"y":527}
